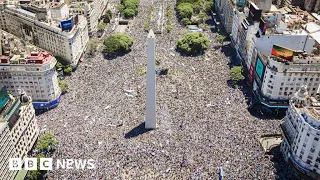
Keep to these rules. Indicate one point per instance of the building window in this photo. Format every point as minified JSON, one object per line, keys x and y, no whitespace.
{"x":308,"y":161}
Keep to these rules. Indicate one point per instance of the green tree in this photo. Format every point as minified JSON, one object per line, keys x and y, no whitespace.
{"x":132,"y":4}
{"x":92,"y":46}
{"x":186,"y":21}
{"x":220,"y":38}
{"x":59,"y":65}
{"x":146,"y":26}
{"x":193,"y":43}
{"x":203,"y":17}
{"x":108,"y":16}
{"x":197,"y":7}
{"x":46,"y":143}
{"x":237,"y":73}
{"x":101,"y":26}
{"x":36,"y":174}
{"x":208,"y":6}
{"x":185,"y":10}
{"x":63,"y":86}
{"x":129,"y":8}
{"x":169,"y":27}
{"x":129,"y":13}
{"x":68,"y":69}
{"x":121,"y":8}
{"x":117,"y":43}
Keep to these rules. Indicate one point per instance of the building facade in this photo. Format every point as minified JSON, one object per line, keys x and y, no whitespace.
{"x":35,"y":74}
{"x":301,"y":133}
{"x":224,"y":9}
{"x":65,"y":38}
{"x":275,"y":80}
{"x":19,"y":130}
{"x":6,"y":151}
{"x":92,"y":11}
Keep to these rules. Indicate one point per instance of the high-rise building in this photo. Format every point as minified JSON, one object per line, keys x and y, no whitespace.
{"x":47,"y":25}
{"x":275,"y":79}
{"x":224,"y":9}
{"x":301,"y":133}
{"x":18,"y":130}
{"x":6,"y":151}
{"x":35,"y":74}
{"x":92,"y":10}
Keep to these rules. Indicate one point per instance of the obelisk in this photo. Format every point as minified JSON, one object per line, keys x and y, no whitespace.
{"x":151,"y":84}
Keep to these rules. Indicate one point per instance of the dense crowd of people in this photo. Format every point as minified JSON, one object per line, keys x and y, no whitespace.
{"x":203,"y":123}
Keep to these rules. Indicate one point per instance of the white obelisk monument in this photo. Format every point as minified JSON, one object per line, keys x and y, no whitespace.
{"x":151,"y":84}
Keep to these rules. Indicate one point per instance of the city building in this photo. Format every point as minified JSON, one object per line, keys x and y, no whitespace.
{"x":6,"y":151}
{"x":14,"y":45}
{"x":228,"y":11}
{"x":225,"y":8}
{"x":287,"y":3}
{"x":275,"y":79}
{"x":19,"y":130}
{"x":35,"y":74}
{"x":283,"y":54}
{"x":92,"y":10}
{"x":47,"y":25}
{"x":301,"y":133}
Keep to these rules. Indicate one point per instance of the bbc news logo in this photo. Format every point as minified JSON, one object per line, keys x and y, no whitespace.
{"x":47,"y":164}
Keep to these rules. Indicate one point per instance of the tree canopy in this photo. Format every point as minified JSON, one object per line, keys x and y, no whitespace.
{"x":46,"y":143}
{"x":36,"y":174}
{"x":129,"y":13}
{"x":193,"y":43}
{"x":67,"y":69}
{"x":101,"y":26}
{"x":117,"y":43}
{"x":92,"y":45}
{"x":129,"y":8}
{"x":107,"y":17}
{"x":220,"y":38}
{"x":236,"y":73}
{"x":63,"y":86}
{"x":196,"y":9}
{"x":185,"y":10}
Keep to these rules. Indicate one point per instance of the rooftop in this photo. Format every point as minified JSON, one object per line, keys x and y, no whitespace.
{"x":41,"y":57}
{"x":288,"y":22}
{"x":63,"y":24}
{"x":314,"y":112}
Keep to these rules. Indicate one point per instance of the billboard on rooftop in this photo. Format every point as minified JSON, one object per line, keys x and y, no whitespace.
{"x":282,"y":52}
{"x":66,"y":25}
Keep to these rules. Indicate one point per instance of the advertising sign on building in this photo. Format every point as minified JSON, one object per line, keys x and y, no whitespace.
{"x":282,"y":52}
{"x":260,"y":68}
{"x":66,"y":25}
{"x":251,"y":75}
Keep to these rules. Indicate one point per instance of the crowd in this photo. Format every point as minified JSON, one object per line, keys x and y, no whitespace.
{"x":203,"y":124}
